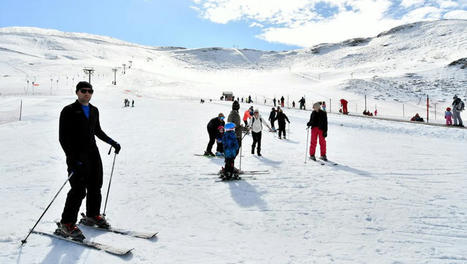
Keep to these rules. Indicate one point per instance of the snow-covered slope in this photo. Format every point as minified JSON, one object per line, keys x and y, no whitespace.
{"x":403,"y":63}
{"x":398,"y":195}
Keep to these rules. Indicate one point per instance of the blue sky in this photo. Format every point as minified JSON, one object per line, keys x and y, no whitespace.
{"x":259,"y":24}
{"x":157,"y":22}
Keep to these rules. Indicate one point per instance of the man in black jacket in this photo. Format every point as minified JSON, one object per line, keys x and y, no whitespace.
{"x":319,"y":128}
{"x":213,"y":131}
{"x":79,"y":123}
{"x":272,"y":118}
{"x":281,"y":118}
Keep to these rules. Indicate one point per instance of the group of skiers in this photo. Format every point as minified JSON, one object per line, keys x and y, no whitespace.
{"x":126,"y":103}
{"x":229,"y":135}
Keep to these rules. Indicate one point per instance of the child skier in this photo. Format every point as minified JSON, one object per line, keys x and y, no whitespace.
{"x":448,"y":116}
{"x":220,"y":146}
{"x":319,"y":129}
{"x":231,"y":147}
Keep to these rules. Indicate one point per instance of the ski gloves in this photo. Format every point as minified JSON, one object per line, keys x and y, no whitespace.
{"x":115,"y":145}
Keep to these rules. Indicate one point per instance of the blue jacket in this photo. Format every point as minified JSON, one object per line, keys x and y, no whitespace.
{"x":230,"y":144}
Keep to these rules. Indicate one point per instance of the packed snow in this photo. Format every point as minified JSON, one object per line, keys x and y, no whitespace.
{"x":397,"y":195}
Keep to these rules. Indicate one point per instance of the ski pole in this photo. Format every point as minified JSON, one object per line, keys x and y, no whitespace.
{"x":38,"y":220}
{"x":110,"y":181}
{"x":241,"y":148}
{"x":306,"y":146}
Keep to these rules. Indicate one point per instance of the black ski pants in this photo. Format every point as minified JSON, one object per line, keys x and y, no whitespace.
{"x":85,"y":182}
{"x":256,"y":140}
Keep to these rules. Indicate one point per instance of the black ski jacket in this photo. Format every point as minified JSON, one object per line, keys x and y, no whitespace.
{"x":319,"y":119}
{"x":76,"y":132}
{"x":272,"y":116}
{"x":214,"y":124}
{"x":281,"y":117}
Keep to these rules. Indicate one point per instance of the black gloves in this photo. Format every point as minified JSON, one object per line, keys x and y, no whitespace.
{"x":116,"y":146}
{"x":325,"y":133}
{"x":308,"y":124}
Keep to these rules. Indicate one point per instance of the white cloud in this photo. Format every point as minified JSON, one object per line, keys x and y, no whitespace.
{"x":306,"y":22}
{"x":456,"y":14}
{"x":409,"y":3}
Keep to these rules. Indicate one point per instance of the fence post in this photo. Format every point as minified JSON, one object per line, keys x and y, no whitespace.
{"x":427,"y":108}
{"x":20,"y":109}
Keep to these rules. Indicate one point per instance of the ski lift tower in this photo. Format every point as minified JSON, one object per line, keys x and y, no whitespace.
{"x":89,"y":72}
{"x":115,"y":76}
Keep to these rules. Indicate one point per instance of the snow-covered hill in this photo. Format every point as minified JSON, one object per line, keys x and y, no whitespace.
{"x":403,"y":63}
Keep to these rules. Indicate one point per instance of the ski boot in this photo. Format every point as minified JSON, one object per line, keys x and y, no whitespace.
{"x":219,"y":154}
{"x":324,"y":158}
{"x":69,"y":230}
{"x":98,"y":221}
{"x":312,"y":157}
{"x":252,"y":151}
{"x":235,"y":177}
{"x":226,"y":176}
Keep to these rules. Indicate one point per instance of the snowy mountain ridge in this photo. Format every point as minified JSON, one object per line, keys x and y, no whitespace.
{"x":402,"y":64}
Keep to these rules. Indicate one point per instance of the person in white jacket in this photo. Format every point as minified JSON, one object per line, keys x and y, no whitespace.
{"x":256,"y":127}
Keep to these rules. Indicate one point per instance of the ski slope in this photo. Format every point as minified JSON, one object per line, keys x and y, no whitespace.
{"x":396,"y":197}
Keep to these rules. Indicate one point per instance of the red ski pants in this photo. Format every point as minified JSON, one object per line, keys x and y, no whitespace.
{"x":315,"y":134}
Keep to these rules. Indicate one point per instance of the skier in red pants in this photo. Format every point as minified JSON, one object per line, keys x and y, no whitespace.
{"x":344,"y":106}
{"x":319,"y":129}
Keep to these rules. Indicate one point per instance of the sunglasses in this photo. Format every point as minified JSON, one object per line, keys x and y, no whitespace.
{"x":86,"y":91}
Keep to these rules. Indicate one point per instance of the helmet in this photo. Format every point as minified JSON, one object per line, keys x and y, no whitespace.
{"x":229,"y":127}
{"x":235,"y":105}
{"x":448,"y":109}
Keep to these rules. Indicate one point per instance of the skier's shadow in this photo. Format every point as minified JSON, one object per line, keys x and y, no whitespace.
{"x":63,"y":252}
{"x":270,"y":162}
{"x":352,"y":170}
{"x":246,"y":195}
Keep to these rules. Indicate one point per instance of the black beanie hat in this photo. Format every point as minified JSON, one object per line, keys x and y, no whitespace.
{"x":235,"y":105}
{"x":83,"y":84}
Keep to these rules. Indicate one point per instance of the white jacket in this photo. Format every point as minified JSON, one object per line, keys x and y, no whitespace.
{"x":256,"y":124}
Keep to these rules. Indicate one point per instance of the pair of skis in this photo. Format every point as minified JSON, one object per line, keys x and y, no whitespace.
{"x":325,"y":162}
{"x":100,"y":246}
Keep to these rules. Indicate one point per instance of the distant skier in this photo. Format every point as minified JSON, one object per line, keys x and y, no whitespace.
{"x":256,"y":126}
{"x":302,"y":103}
{"x":272,"y":118}
{"x":282,"y":101}
{"x":448,"y":116}
{"x":323,"y":106}
{"x":274,"y":101}
{"x":293,"y":104}
{"x":247,"y":115}
{"x":231,"y":148}
{"x":213,"y":131}
{"x":249,"y":99}
{"x":457,"y":107}
{"x":281,"y":118}
{"x":319,"y":129}
{"x":132,"y":103}
{"x":79,"y":124}
{"x":234,"y":117}
{"x":344,"y":109}
{"x":417,"y":118}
